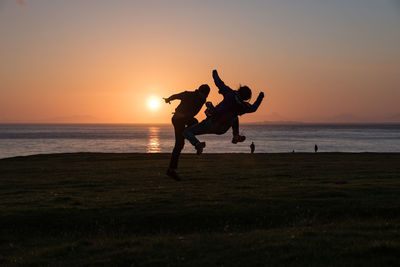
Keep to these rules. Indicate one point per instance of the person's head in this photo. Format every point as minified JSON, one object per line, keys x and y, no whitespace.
{"x":244,"y":93}
{"x":204,"y":89}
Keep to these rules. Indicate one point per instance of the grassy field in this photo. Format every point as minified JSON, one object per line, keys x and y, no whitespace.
{"x":229,"y":210}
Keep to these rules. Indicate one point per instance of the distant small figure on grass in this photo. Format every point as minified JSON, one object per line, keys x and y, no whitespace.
{"x":293,"y":151}
{"x":252,"y":147}
{"x":316,"y":148}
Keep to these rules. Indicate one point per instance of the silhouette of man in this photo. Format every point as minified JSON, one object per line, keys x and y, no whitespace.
{"x":316,"y":148}
{"x":190,"y":105}
{"x":221,"y":117}
{"x":252,"y":147}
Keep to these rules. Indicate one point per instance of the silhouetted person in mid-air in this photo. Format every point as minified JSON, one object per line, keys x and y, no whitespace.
{"x":316,"y":148}
{"x":252,"y":147}
{"x":225,"y":115}
{"x":191,"y":103}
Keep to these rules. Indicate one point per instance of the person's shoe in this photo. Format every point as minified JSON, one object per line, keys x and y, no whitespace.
{"x":199,"y":147}
{"x":238,"y":138}
{"x":172,"y":173}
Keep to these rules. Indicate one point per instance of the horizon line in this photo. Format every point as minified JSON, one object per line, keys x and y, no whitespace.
{"x":168,"y":123}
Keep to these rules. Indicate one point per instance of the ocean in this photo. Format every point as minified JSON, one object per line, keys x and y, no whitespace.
{"x":28,"y":139}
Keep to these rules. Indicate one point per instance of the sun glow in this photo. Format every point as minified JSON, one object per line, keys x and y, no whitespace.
{"x":153,"y":103}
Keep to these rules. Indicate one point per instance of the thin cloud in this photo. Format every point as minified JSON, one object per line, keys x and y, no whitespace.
{"x":21,"y":3}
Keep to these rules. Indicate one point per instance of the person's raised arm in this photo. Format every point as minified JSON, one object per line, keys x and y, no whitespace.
{"x":179,"y":96}
{"x":256,"y":104}
{"x":219,"y":83}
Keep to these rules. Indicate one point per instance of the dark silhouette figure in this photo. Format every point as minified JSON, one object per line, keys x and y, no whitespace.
{"x":235,"y":124}
{"x":252,"y":147}
{"x":316,"y":148}
{"x":191,"y":103}
{"x":225,"y":115}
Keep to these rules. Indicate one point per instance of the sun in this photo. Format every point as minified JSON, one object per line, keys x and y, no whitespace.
{"x":153,"y":103}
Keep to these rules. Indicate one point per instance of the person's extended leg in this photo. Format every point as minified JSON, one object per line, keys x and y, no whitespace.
{"x":179,"y":126}
{"x":192,"y":122}
{"x":235,"y":131}
{"x":198,"y":129}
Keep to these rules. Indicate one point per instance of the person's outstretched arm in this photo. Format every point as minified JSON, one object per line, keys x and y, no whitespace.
{"x":179,"y":96}
{"x":256,"y":103}
{"x":252,"y":108}
{"x":219,"y":83}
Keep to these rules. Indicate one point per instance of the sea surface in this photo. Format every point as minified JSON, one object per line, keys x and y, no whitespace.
{"x":28,"y":139}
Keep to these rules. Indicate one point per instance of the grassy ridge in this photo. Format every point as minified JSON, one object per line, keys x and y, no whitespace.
{"x":230,"y":209}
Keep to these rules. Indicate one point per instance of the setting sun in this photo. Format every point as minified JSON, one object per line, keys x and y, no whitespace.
{"x":153,"y":103}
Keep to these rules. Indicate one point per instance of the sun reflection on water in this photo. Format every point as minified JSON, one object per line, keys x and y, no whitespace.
{"x":153,"y":145}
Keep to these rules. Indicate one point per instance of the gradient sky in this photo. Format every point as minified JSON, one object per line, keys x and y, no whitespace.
{"x":99,"y":61}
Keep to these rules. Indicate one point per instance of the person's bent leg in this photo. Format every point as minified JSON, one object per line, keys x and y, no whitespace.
{"x":179,"y":126}
{"x":190,"y":133}
{"x":235,"y":131}
{"x":192,"y":122}
{"x":200,"y":128}
{"x":235,"y":126}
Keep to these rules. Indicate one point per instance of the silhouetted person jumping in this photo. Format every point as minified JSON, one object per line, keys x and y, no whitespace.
{"x":235,"y":124}
{"x":252,"y":147}
{"x":221,"y":117}
{"x":191,"y":103}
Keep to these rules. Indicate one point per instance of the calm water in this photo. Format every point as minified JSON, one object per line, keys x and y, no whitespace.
{"x":28,"y":139}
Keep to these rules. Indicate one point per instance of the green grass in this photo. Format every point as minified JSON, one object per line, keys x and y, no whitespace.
{"x":230,"y":210}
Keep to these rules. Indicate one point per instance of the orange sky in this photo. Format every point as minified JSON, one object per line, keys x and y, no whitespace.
{"x":86,"y":61}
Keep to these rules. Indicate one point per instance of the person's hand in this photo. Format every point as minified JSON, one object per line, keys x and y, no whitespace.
{"x":261,"y":95}
{"x":167,"y":100}
{"x":214,"y":72}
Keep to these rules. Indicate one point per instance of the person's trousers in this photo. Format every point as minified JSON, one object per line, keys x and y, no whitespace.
{"x":179,"y":124}
{"x":210,"y":126}
{"x":235,"y":126}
